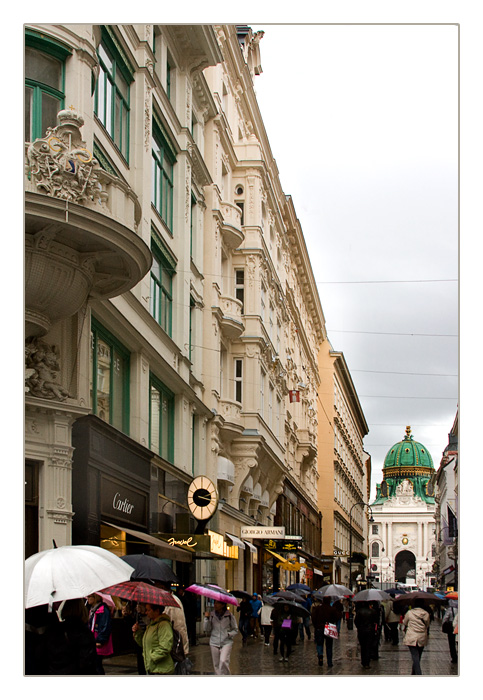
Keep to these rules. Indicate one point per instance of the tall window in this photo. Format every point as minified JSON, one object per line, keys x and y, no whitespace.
{"x":238,"y":380}
{"x":375,"y":549}
{"x":161,"y":419}
{"x":44,"y":84}
{"x":240,"y":286}
{"x":112,"y":94}
{"x":163,"y":159}
{"x":109,"y":378}
{"x":161,"y":300}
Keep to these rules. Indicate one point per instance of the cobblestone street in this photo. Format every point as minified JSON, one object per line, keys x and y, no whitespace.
{"x":256,"y":659}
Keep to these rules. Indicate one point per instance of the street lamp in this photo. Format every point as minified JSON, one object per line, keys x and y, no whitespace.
{"x":350,"y":621}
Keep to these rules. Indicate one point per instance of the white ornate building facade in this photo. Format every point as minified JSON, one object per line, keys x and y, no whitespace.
{"x":402,"y":539}
{"x":170,"y":302}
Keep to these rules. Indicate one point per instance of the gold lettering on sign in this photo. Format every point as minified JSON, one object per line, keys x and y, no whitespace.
{"x":187,"y":543}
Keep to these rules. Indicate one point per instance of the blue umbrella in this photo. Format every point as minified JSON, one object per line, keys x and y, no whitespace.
{"x":299,"y":586}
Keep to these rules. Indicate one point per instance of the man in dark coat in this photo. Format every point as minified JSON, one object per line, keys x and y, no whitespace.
{"x":323,"y":614}
{"x":366,"y":621}
{"x":245,"y":610}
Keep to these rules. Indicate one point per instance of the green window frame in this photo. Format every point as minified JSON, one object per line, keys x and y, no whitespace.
{"x":163,"y":160}
{"x":110,"y":370}
{"x":161,"y":419}
{"x":112,"y":94}
{"x":44,"y":83}
{"x":161,"y":297}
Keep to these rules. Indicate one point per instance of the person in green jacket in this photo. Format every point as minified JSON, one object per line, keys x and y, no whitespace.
{"x":156,"y":641}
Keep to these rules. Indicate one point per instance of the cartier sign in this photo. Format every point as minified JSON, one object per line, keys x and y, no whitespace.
{"x":122,"y":502}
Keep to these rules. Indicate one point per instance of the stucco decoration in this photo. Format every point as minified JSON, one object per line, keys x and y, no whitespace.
{"x":42,"y":369}
{"x":62,"y":166}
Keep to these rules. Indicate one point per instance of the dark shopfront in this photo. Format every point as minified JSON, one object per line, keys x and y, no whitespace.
{"x":115,"y":488}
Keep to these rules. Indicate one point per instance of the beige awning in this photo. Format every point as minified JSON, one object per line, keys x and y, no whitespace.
{"x":166,"y":551}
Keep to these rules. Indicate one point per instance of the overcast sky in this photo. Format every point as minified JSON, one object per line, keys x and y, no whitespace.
{"x":363,"y":124}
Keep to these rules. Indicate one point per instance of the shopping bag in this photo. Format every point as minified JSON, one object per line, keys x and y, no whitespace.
{"x":287,"y":624}
{"x":330,"y":630}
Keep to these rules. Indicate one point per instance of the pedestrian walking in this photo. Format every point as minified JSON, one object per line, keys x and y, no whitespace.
{"x":222,"y":627}
{"x":286,"y":623}
{"x":379,"y":627}
{"x":304,"y":625}
{"x":100,"y":626}
{"x":366,"y":621}
{"x":416,"y":625}
{"x":324,"y":614}
{"x":339,"y":608}
{"x":245,"y":610}
{"x":266,"y":622}
{"x":392,"y":621}
{"x":156,"y":641}
{"x":176,"y":615}
{"x":73,"y":650}
{"x":256,"y":605}
{"x":448,"y":628}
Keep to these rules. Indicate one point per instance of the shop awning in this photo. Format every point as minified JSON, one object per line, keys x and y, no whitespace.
{"x":235,"y":540}
{"x":166,"y":551}
{"x":250,"y":546}
{"x":277,"y":556}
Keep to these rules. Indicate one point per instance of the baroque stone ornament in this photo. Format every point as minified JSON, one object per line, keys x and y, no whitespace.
{"x":61,"y":165}
{"x":42,"y":382}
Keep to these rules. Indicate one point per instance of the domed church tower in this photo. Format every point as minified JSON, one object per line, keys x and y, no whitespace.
{"x":402,"y":542}
{"x":407,"y":460}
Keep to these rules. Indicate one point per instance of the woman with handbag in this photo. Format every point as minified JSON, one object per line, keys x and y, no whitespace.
{"x":448,"y":628}
{"x":323,"y":615}
{"x":100,"y":626}
{"x":416,"y":624}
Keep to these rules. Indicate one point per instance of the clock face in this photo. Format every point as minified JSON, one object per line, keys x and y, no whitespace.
{"x":202,"y":498}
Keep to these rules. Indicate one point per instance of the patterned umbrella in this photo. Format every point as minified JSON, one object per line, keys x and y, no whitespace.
{"x":142,"y":592}
{"x":209,"y":590}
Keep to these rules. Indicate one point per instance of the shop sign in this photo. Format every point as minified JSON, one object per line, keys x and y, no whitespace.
{"x":122,"y":503}
{"x":192,"y":543}
{"x":220,"y":547}
{"x":281,"y":545}
{"x":262,"y":533}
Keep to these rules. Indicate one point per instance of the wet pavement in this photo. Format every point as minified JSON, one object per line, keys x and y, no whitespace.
{"x":256,"y":659}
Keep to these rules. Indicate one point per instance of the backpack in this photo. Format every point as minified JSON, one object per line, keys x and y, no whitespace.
{"x":177,"y":650}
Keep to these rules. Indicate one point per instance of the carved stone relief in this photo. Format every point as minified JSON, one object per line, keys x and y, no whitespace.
{"x":42,"y":364}
{"x":60,"y":164}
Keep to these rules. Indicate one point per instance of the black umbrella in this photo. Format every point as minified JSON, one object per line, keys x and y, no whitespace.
{"x":147,"y":568}
{"x":395,"y":591}
{"x":410,"y":598}
{"x":240,"y":594}
{"x":295,"y":608}
{"x":289,"y":595}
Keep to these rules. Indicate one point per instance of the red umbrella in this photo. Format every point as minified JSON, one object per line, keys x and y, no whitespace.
{"x":142,"y":592}
{"x":452,"y":595}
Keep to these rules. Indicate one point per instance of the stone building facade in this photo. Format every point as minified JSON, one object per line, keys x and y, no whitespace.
{"x":171,"y":306}
{"x":344,"y":470}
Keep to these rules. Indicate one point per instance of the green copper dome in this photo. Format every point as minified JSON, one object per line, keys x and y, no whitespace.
{"x":408,"y":453}
{"x":407,"y":460}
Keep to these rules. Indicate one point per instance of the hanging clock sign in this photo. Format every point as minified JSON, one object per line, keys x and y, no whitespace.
{"x":202,"y":498}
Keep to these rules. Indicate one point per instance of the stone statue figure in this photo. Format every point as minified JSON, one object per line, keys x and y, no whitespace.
{"x":42,"y":367}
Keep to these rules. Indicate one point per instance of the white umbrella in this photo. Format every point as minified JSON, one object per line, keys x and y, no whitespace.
{"x":72,"y":571}
{"x":335,"y":590}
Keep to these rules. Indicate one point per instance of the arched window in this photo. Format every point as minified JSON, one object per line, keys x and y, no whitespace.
{"x":375,"y":549}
